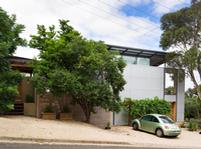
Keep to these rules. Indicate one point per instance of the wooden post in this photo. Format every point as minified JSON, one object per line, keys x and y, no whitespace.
{"x":173,"y":110}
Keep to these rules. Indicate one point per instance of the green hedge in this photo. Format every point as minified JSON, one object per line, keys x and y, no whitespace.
{"x":147,"y":106}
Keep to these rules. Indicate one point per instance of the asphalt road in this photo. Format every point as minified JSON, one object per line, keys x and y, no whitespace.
{"x":68,"y":146}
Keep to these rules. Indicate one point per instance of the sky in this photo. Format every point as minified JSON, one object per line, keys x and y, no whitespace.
{"x":133,"y":23}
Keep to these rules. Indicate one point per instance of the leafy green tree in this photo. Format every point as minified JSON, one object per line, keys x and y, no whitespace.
{"x":9,"y":40}
{"x":182,"y":30}
{"x":169,"y":90}
{"x":72,"y":65}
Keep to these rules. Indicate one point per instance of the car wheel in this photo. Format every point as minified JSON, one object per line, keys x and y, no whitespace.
{"x":159,"y":132}
{"x":135,"y":126}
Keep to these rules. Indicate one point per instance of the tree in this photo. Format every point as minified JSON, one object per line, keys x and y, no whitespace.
{"x":72,"y":65}
{"x":182,"y":30}
{"x":9,"y":40}
{"x":169,"y":90}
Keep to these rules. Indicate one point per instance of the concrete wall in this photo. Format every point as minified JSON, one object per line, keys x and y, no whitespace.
{"x":120,"y":118}
{"x":100,"y":118}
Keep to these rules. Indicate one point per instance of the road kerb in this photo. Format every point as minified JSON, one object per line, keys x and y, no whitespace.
{"x":42,"y":140}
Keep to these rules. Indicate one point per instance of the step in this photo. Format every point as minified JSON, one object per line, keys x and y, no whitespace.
{"x":22,"y":109}
{"x":15,"y":113}
{"x":18,"y":106}
{"x":18,"y":109}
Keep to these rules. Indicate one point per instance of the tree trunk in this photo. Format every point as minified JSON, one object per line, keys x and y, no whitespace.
{"x":199,"y":91}
{"x":199,"y":95}
{"x":88,"y":116}
{"x":197,"y":86}
{"x":192,"y":76}
{"x":129,"y":115}
{"x":86,"y":110}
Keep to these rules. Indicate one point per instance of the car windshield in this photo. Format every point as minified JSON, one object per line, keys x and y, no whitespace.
{"x":166,"y":119}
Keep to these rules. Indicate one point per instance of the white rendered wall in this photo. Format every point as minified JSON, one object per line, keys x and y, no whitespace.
{"x":142,"y":82}
{"x":171,"y":98}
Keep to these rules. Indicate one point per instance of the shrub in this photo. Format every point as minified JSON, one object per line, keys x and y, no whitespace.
{"x":65,"y":109}
{"x":192,"y":107}
{"x":193,"y":125}
{"x":7,"y":97}
{"x":182,"y":124}
{"x":127,"y":105}
{"x":48,"y":109}
{"x":148,"y":106}
{"x":197,"y":121}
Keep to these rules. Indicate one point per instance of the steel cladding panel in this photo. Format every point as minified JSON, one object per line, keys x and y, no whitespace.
{"x":180,"y":101}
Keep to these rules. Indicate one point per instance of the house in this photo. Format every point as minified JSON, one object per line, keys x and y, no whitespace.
{"x":144,"y":77}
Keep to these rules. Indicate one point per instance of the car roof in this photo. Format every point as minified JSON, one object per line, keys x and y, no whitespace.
{"x":156,"y":115}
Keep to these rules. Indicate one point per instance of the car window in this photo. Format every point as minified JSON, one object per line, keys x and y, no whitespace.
{"x":166,"y":119}
{"x":146,"y":118}
{"x":154,"y":119}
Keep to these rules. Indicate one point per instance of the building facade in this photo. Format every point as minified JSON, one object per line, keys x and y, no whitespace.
{"x":144,"y":77}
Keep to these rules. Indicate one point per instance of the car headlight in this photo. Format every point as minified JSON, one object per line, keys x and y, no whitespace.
{"x":166,"y":127}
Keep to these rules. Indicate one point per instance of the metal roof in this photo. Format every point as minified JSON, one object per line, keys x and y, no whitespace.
{"x":17,"y":58}
{"x":156,"y":57}
{"x":20,"y":63}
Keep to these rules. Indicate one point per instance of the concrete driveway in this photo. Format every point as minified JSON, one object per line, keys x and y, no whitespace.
{"x":20,"y":128}
{"x":186,"y":139}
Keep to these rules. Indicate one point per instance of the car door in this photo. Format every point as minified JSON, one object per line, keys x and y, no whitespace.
{"x":153,"y":124}
{"x":144,"y":121}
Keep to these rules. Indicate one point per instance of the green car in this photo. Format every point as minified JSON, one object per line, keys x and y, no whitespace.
{"x":161,"y":125}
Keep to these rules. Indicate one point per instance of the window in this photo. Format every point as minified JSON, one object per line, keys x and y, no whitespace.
{"x":166,"y":120}
{"x":147,"y":118}
{"x":130,"y":59}
{"x":154,"y":119}
{"x":136,"y":60}
{"x":143,"y":61}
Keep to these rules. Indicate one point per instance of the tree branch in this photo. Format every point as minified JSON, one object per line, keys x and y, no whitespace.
{"x":193,"y":78}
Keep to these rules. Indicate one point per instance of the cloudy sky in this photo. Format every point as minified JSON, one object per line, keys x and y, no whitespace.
{"x":134,"y":23}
